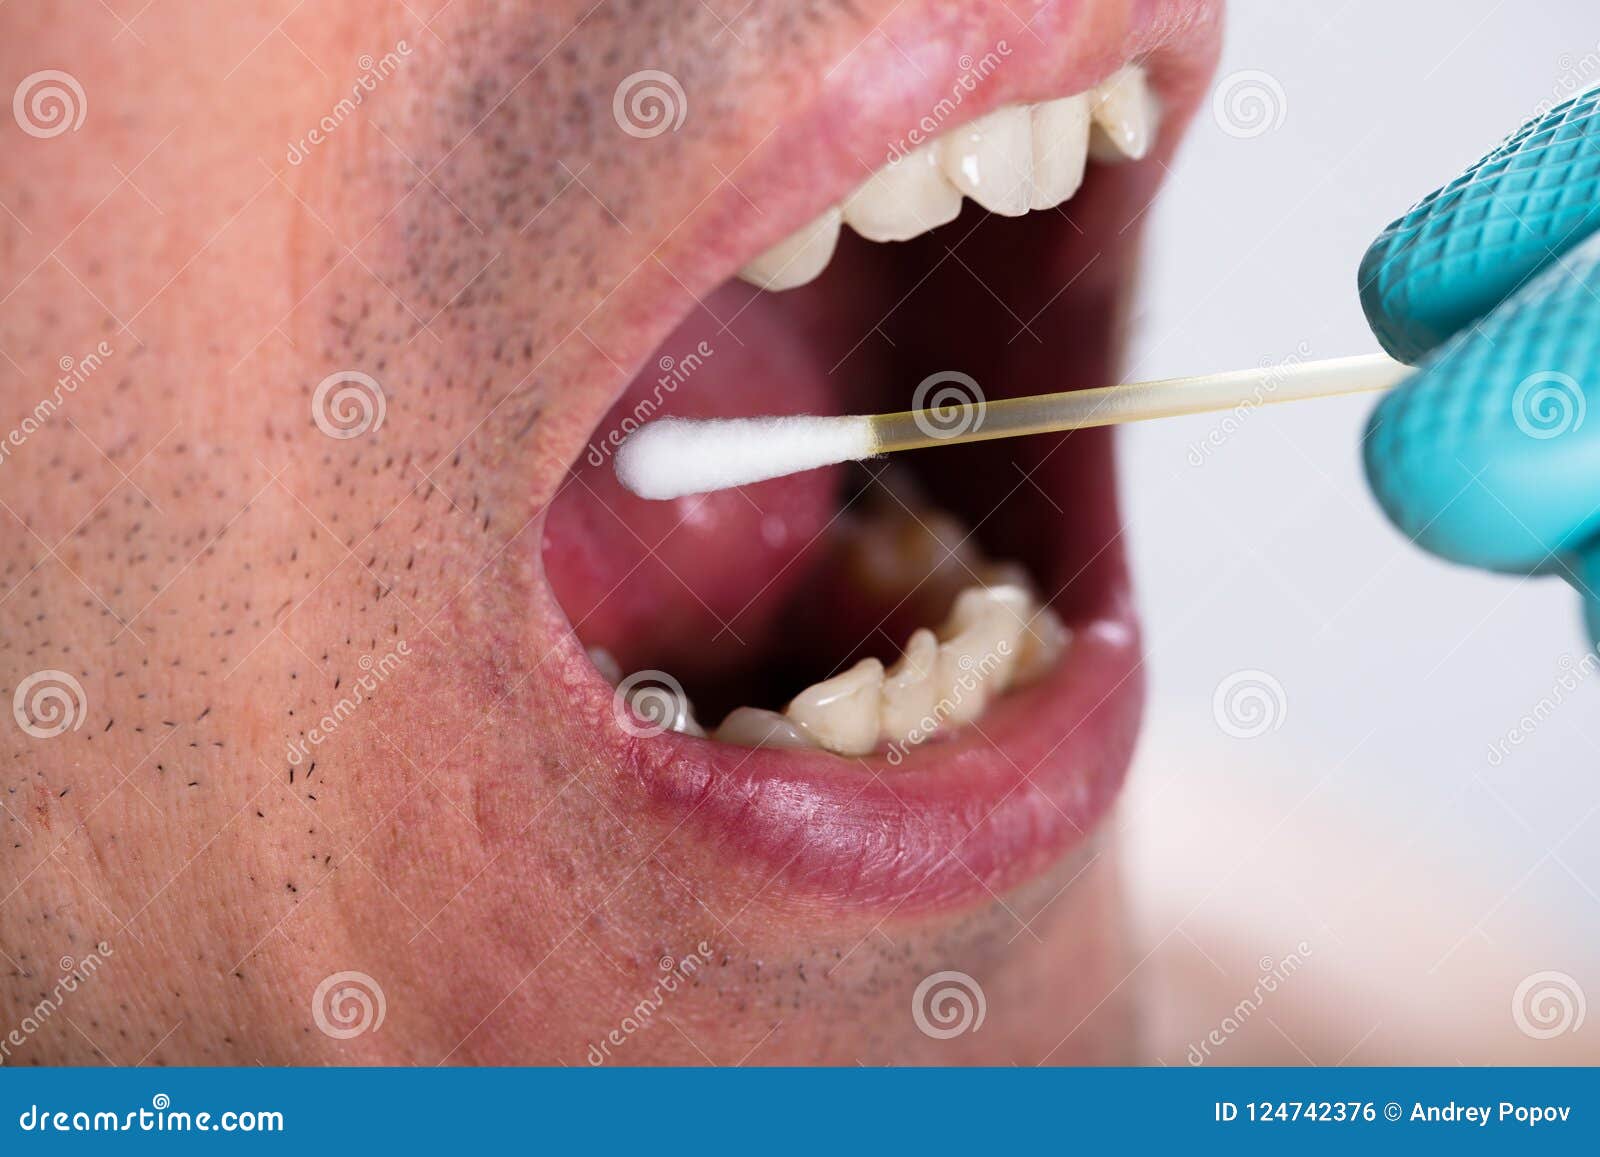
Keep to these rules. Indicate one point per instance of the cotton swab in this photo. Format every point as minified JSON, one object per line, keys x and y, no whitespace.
{"x":672,"y":457}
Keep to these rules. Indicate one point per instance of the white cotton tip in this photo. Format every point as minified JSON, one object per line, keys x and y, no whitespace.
{"x":671,"y":457}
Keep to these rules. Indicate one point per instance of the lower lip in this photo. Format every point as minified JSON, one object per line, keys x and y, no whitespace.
{"x":954,"y":821}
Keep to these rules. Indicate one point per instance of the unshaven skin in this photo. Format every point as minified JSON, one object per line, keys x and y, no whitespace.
{"x":290,"y":381}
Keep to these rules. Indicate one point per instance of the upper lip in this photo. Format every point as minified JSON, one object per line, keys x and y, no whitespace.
{"x":841,"y":130}
{"x":974,"y":815}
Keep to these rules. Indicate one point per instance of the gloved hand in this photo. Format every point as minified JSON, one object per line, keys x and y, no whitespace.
{"x":1490,"y":454}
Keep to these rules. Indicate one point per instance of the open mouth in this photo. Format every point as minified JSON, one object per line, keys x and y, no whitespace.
{"x":910,"y":682}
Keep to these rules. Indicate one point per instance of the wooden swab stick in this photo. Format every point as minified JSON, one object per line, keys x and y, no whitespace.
{"x":671,"y":457}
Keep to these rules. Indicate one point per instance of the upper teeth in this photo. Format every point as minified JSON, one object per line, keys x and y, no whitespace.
{"x":1060,"y":147}
{"x":991,"y":160}
{"x":1124,"y":117}
{"x":1016,"y":158}
{"x":903,"y":199}
{"x":798,"y":257}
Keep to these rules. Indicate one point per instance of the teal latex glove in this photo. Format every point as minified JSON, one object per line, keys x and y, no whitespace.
{"x":1490,"y":454}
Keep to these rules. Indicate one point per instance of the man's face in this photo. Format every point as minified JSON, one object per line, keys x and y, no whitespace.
{"x":318,"y":334}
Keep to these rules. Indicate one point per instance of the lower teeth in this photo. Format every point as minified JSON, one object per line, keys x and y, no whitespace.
{"x":758,"y":727}
{"x":996,"y":635}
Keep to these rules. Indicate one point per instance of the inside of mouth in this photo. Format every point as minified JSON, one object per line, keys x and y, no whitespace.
{"x":746,"y":598}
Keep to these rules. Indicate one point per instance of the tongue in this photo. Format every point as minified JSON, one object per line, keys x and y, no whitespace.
{"x":697,"y":586}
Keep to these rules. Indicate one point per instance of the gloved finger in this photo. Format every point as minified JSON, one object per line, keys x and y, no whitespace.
{"x":1489,"y":454}
{"x":1467,"y":246}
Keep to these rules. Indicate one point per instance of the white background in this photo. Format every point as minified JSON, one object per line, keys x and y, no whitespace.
{"x":1426,"y":882}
